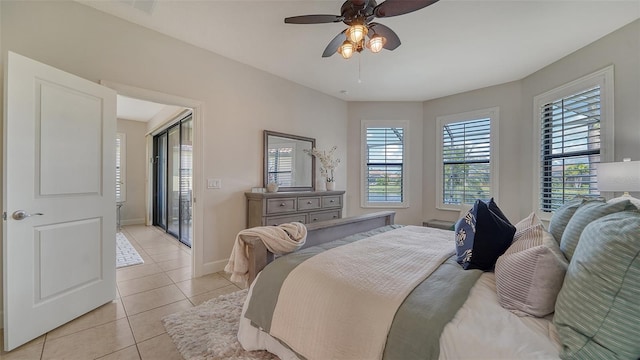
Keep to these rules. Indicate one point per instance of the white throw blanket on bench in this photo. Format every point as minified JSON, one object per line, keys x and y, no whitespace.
{"x":340,"y":304}
{"x":280,"y":239}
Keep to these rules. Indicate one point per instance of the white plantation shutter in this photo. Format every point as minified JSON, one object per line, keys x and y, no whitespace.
{"x":121,"y":189}
{"x":384,"y":164}
{"x":466,"y":161}
{"x":570,"y":147}
{"x":280,"y":164}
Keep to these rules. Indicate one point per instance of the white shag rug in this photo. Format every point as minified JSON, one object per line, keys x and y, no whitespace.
{"x":126,"y":254}
{"x":209,"y":331}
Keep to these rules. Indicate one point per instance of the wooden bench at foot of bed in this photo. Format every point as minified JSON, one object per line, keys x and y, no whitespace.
{"x":318,"y":233}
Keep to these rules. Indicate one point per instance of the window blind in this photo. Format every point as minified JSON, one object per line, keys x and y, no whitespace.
{"x":120,"y":168}
{"x":280,"y":163}
{"x":466,"y":161}
{"x":570,"y":147}
{"x":385,"y":164}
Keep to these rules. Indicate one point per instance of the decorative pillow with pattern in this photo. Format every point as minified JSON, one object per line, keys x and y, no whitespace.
{"x":562,"y":215}
{"x":482,"y":236}
{"x":598,"y":309}
{"x":465,"y":229}
{"x":529,"y":226}
{"x":587,"y":212}
{"x":530,"y":273}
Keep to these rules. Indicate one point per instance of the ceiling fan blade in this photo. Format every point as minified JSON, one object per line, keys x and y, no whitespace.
{"x":313,"y":19}
{"x":393,"y":41}
{"x":335,"y":44}
{"x":399,"y":7}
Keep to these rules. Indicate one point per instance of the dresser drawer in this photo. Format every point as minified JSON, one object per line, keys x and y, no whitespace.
{"x":308,"y":203}
{"x":281,"y":205}
{"x":323,"y":216}
{"x":331,"y":201}
{"x":277,"y":220}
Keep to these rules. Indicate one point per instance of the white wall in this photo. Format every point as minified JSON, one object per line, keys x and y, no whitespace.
{"x":620,"y":49}
{"x":133,"y":210}
{"x":239,"y":101}
{"x":517,"y":146}
{"x":507,"y":98}
{"x":410,"y":111}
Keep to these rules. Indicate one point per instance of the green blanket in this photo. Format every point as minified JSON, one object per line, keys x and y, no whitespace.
{"x":418,"y":323}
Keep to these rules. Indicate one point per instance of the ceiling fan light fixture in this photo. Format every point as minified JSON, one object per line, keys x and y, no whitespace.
{"x":357,"y":32}
{"x":376,"y":43}
{"x":346,"y":49}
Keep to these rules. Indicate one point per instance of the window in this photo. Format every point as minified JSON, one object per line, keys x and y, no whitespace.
{"x":467,"y":149}
{"x":571,"y":125}
{"x":280,"y":164}
{"x":384,"y":172}
{"x":121,"y":167}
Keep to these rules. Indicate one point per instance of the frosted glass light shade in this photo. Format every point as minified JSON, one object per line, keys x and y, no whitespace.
{"x":619,"y":176}
{"x":346,"y":49}
{"x":356,"y":33}
{"x":376,"y":43}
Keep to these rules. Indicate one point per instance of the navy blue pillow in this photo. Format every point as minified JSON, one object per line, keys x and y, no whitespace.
{"x":482,"y":236}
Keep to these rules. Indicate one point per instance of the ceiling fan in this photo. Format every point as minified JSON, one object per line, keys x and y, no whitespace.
{"x":359,"y":14}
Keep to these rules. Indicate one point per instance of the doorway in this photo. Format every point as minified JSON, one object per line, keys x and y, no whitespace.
{"x":173,"y":179}
{"x":195,"y":106}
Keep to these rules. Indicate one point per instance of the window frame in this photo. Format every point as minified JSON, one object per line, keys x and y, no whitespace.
{"x":493,"y":114}
{"x":364,"y":125}
{"x":603,"y":78}
{"x":122,"y":149}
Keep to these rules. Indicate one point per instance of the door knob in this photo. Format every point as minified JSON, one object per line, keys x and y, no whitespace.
{"x":21,"y":214}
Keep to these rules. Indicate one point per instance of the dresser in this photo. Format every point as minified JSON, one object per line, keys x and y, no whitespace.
{"x":302,"y":206}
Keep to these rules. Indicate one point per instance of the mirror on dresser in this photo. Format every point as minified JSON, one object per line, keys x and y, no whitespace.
{"x":286,"y":162}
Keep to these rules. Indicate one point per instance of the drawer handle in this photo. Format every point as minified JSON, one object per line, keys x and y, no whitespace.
{"x":335,"y":216}
{"x":332,"y":201}
{"x":315,"y":219}
{"x":308,"y":202}
{"x":283,"y":204}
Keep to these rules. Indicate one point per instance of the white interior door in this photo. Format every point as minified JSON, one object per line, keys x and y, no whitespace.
{"x":59,"y":198}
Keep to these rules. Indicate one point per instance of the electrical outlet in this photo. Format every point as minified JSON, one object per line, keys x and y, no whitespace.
{"x":214,"y":184}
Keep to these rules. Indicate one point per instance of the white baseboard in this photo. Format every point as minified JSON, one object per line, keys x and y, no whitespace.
{"x":139,"y":221}
{"x":213,"y":267}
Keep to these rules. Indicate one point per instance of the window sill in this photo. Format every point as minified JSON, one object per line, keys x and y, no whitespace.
{"x":385,"y":206}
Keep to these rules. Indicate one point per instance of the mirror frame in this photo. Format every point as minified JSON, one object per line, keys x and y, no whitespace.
{"x":265,"y":164}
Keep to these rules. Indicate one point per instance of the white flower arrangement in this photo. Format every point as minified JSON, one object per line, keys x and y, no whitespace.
{"x":327,"y":162}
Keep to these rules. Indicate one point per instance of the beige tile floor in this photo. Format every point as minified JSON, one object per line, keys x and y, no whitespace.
{"x":129,"y":327}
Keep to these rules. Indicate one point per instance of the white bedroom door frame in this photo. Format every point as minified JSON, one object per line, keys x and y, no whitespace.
{"x":197,"y":258}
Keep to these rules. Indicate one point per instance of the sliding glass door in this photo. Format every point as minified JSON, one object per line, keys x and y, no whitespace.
{"x":173,"y":179}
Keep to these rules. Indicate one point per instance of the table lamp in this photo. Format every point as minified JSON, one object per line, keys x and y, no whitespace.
{"x":620,"y":177}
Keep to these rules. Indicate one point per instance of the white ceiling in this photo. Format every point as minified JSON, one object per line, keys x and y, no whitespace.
{"x":447,"y":48}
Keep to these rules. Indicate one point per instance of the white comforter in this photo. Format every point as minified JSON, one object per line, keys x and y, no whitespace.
{"x":481,"y":329}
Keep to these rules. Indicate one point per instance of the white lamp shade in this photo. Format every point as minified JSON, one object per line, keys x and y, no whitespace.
{"x":619,"y":176}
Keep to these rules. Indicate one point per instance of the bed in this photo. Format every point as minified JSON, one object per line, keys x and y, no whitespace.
{"x":295,"y":311}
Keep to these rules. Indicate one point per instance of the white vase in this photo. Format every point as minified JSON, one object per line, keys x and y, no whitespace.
{"x":331,"y":185}
{"x":272,"y":187}
{"x":321,"y":184}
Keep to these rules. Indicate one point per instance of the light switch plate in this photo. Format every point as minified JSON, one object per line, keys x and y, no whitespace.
{"x":214,"y":184}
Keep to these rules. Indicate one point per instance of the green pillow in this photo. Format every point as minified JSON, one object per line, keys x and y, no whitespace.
{"x":586,"y":213}
{"x":562,"y":215}
{"x":597,"y":311}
